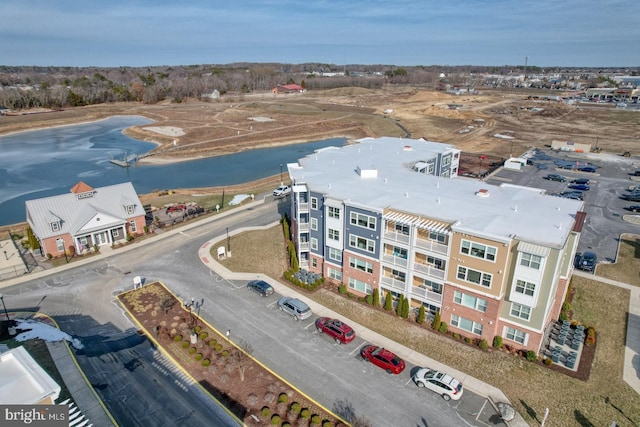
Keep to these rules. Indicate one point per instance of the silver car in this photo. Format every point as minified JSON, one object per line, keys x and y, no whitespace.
{"x":296,"y":308}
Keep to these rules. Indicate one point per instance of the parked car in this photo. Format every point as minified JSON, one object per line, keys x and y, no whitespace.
{"x":581,"y":187}
{"x":590,"y":169}
{"x":555,"y":177}
{"x":339,"y":331}
{"x":577,"y":195}
{"x":282,"y":191}
{"x":587,"y":261}
{"x":296,"y":308}
{"x":261,"y":287}
{"x":383,"y":359}
{"x":443,"y":384}
{"x":584,"y":181}
{"x":632,"y":197}
{"x":634,"y":208}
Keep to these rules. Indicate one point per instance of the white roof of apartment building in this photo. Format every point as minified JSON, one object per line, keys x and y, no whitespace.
{"x":23,"y":380}
{"x":74,"y":212}
{"x":377,"y":174}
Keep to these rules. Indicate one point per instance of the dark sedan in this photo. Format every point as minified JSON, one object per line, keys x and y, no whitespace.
{"x":634,"y":208}
{"x":581,"y":187}
{"x":261,"y":287}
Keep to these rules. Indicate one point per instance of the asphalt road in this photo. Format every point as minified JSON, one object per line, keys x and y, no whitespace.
{"x":141,"y":389}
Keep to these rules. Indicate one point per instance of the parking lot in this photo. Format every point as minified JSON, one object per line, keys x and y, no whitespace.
{"x":603,"y":203}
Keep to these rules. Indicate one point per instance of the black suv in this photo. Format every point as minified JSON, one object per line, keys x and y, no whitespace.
{"x":587,"y":261}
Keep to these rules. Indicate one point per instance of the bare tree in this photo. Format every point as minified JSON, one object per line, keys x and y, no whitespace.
{"x":241,"y":357}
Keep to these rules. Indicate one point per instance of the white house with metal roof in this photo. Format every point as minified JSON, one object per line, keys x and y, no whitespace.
{"x":86,"y":218}
{"x":493,"y":260}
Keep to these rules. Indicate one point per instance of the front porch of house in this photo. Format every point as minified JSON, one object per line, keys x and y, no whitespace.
{"x":86,"y":242}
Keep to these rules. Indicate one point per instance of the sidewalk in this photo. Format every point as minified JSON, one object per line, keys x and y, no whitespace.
{"x":494,"y":394}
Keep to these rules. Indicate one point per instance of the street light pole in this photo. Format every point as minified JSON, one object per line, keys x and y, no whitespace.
{"x":280,"y":173}
{"x":228,"y":241}
{"x":5,"y":307}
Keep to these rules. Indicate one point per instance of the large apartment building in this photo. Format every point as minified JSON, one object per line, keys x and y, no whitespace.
{"x":386,"y":213}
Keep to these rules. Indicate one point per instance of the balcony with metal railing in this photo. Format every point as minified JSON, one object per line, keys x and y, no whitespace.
{"x":303,"y":207}
{"x":395,"y":260}
{"x":303,"y":246}
{"x":432,"y":246}
{"x":394,"y":283}
{"x":394,"y":236}
{"x":303,"y":227}
{"x":429,"y":270}
{"x":426,"y":294}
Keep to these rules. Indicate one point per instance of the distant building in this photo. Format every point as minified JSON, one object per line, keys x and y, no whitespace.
{"x":384,"y":214}
{"x":86,"y":217}
{"x":290,"y":88}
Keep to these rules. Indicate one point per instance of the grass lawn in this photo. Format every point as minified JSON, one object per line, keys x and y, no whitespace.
{"x":627,"y":267}
{"x":530,"y":387}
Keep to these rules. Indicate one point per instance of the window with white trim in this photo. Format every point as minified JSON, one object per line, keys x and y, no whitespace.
{"x":362,"y":220}
{"x":446,"y":161}
{"x":334,"y":274}
{"x":438,"y":237}
{"x":525,"y":288}
{"x":314,"y":224}
{"x":333,"y":234}
{"x":360,"y":286}
{"x":470,"y":301}
{"x":402,"y":228}
{"x":130,"y":209}
{"x":314,"y":262}
{"x":362,"y":243}
{"x":360,"y":265}
{"x":473,"y":276}
{"x":333,"y":212}
{"x":115,"y":232}
{"x":531,"y":260}
{"x":466,"y":324}
{"x":314,"y":203}
{"x":478,"y":250}
{"x":515,"y":335}
{"x":132,"y":226}
{"x":60,"y":245}
{"x":431,"y":285}
{"x":335,"y":254}
{"x":521,"y":311}
{"x":314,"y":243}
{"x":55,"y":226}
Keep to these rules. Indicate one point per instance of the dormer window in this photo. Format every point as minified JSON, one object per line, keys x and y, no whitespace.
{"x":130,"y":209}
{"x":55,"y":226}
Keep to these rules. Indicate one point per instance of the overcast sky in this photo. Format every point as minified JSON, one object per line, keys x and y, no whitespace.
{"x":395,"y":32}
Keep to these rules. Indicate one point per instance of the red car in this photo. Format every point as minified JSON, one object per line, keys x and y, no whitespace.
{"x":383,"y":359}
{"x":339,"y":331}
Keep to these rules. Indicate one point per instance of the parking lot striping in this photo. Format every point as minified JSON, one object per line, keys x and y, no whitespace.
{"x":182,"y":232}
{"x":357,"y":349}
{"x":410,"y":380}
{"x":272,"y":303}
{"x":481,"y":409}
{"x":310,"y":324}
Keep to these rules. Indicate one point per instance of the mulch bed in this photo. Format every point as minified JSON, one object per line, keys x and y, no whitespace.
{"x":253,"y":393}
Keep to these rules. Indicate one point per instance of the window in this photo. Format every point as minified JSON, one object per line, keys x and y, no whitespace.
{"x":438,"y":237}
{"x":361,"y":265}
{"x":55,"y":226}
{"x":333,"y":212}
{"x":335,"y":254}
{"x":314,"y":243}
{"x":466,"y":324}
{"x":314,"y":262}
{"x":446,"y":161}
{"x":402,"y":228}
{"x":430,"y":168}
{"x":132,"y":225}
{"x":314,"y":224}
{"x":334,"y":274}
{"x":362,"y":243}
{"x":525,"y":288}
{"x":314,"y":203}
{"x":515,"y":335}
{"x":360,"y":286}
{"x":399,"y":252}
{"x":60,"y":245}
{"x":334,"y":234}
{"x":530,"y":260}
{"x":362,"y":220}
{"x":436,"y":262}
{"x":521,"y":311}
{"x":478,"y":250}
{"x":398,"y":275}
{"x":115,"y":232}
{"x":470,"y":301}
{"x":433,"y":286}
{"x":473,"y":276}
{"x":130,"y":209}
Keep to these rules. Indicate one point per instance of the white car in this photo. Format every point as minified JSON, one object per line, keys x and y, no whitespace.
{"x":439,"y":382}
{"x":282,"y":191}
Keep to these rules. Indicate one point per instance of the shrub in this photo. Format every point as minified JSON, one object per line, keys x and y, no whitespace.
{"x":376,"y":297}
{"x":197,"y":329}
{"x":265,"y":411}
{"x":467,"y":340}
{"x":399,"y":305}
{"x":295,"y":408}
{"x":360,"y":299}
{"x":369,"y":299}
{"x":563,"y":316}
{"x":548,"y":362}
{"x":422,"y":316}
{"x":305,"y":413}
{"x":591,"y":336}
{"x":283,"y":398}
{"x":185,"y":344}
{"x":286,"y":424}
{"x":327,"y":423}
{"x":177,"y":338}
{"x":49,"y":256}
{"x":532,"y":356}
{"x":276,"y":420}
{"x":199,"y":357}
{"x":218,"y":348}
{"x":388,"y":302}
{"x":225,"y":353}
{"x":192,"y":350}
{"x":213,"y":343}
{"x":350,"y":295}
{"x":455,"y":335}
{"x":436,"y":321}
{"x":315,"y":419}
{"x":203,"y":335}
{"x":497,"y":341}
{"x":206,"y":362}
{"x":342,"y":289}
{"x":483,"y":344}
{"x":405,"y":308}
{"x":443,"y":328}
